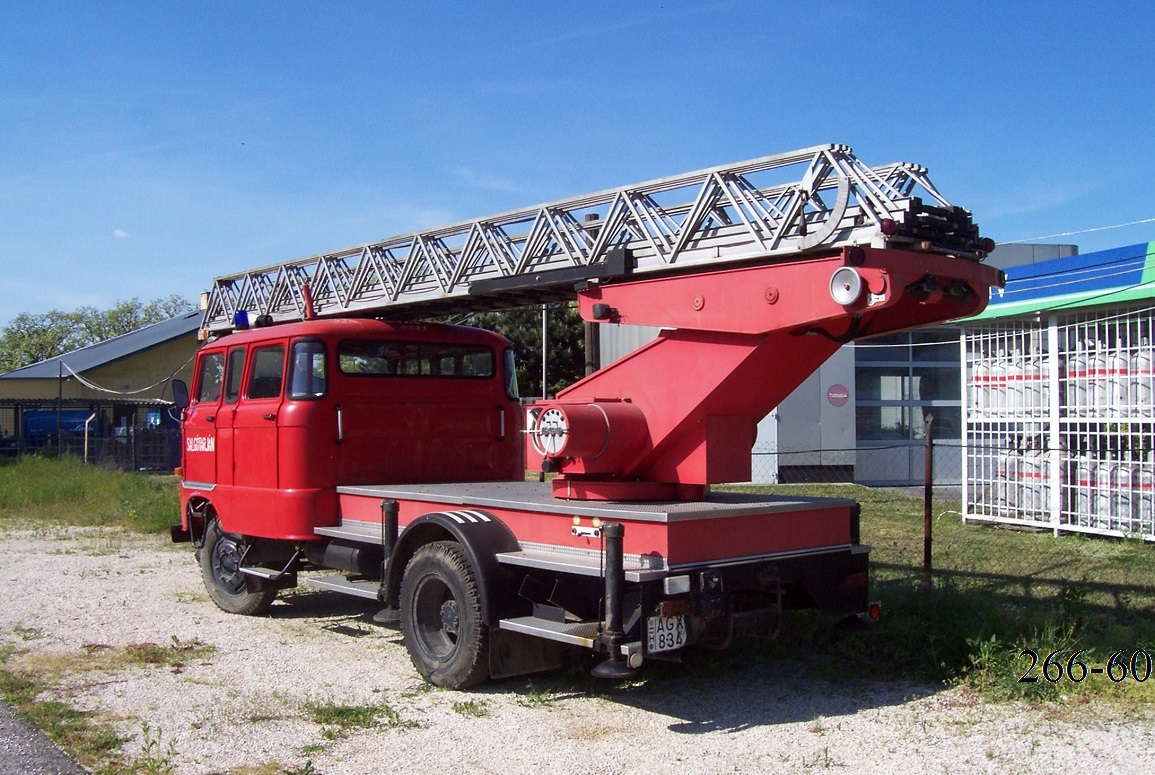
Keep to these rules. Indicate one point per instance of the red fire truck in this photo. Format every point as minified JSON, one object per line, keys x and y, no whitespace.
{"x":330,"y":440}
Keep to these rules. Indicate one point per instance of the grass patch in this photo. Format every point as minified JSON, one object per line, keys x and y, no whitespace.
{"x":36,"y":491}
{"x":471,"y":708}
{"x":90,"y":741}
{"x":83,"y":734}
{"x":338,"y":719}
{"x":156,"y":756}
{"x":535,"y":698}
{"x":995,"y":593}
{"x":305,"y":769}
{"x":274,"y":768}
{"x":173,"y":655}
{"x":48,"y":668}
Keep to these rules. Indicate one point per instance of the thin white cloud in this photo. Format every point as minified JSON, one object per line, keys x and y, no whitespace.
{"x":119,"y":233}
{"x":486,"y":182}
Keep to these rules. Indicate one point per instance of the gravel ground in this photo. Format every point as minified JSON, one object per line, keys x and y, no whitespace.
{"x":243,"y":708}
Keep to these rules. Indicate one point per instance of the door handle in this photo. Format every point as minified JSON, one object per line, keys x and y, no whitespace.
{"x":211,"y":418}
{"x":270,"y":416}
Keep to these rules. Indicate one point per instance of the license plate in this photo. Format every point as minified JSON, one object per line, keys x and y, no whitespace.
{"x":665,"y":633}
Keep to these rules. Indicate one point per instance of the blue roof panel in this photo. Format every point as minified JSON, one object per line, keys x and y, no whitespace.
{"x":1078,"y":279}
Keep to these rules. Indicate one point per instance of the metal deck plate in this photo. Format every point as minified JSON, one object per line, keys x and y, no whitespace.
{"x":576,"y":633}
{"x":536,"y":497}
{"x":366,"y":589}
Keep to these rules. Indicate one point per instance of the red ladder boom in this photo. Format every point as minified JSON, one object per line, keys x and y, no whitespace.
{"x":736,"y":342}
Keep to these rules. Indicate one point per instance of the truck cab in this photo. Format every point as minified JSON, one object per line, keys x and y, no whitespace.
{"x":280,"y":416}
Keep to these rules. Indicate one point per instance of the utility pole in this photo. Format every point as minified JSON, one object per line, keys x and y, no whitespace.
{"x":59,"y":407}
{"x":544,"y":350}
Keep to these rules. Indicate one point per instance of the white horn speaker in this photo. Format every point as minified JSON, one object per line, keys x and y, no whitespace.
{"x":845,"y":286}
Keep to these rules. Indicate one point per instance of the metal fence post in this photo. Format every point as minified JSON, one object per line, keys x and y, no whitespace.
{"x":927,"y":492}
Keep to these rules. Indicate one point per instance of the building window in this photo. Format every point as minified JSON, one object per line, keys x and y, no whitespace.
{"x":901,"y":380}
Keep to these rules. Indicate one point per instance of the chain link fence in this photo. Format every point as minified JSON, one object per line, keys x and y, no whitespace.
{"x":138,"y":443}
{"x":941,"y":535}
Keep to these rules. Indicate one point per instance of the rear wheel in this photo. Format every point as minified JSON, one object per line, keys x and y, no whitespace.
{"x":441,"y":617}
{"x":231,"y":590}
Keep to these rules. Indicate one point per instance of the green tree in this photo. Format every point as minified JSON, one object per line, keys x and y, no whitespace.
{"x":126,"y":316}
{"x":565,"y":348}
{"x":29,"y":338}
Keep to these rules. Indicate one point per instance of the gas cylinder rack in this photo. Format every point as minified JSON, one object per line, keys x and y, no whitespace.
{"x":1060,"y":422}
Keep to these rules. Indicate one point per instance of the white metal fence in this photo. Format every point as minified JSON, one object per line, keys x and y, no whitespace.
{"x":1060,"y":422}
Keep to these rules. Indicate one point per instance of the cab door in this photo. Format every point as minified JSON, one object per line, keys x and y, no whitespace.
{"x":200,"y":430}
{"x":255,"y":422}
{"x":226,"y":413}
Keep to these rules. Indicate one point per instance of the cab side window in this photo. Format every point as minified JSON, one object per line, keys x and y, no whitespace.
{"x":210,"y":377}
{"x":267,"y":372}
{"x":308,"y":376}
{"x":236,"y":370}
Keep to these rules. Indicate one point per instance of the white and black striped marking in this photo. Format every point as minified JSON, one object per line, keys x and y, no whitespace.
{"x":467,"y":515}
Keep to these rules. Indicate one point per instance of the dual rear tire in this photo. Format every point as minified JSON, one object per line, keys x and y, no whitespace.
{"x":441,"y":617}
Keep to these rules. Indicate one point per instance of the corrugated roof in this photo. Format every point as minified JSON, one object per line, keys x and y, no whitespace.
{"x":1103,"y":278}
{"x":110,"y":350}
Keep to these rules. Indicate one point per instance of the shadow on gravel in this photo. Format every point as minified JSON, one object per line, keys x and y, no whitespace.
{"x":757,"y":698}
{"x":741,"y":688}
{"x":728,"y":692}
{"x":339,"y":614}
{"x":319,"y":604}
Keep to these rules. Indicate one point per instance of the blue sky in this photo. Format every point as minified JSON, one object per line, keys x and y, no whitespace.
{"x":146,"y":147}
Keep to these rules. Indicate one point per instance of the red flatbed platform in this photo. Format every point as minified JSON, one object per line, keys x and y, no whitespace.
{"x":727,"y":526}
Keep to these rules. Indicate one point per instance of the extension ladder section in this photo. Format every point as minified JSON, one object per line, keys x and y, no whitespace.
{"x":815,"y":200}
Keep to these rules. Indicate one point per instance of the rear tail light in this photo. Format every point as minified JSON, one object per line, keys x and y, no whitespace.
{"x":874,"y":611}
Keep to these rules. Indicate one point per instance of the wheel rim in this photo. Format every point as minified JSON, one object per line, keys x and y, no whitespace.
{"x":437,"y":618}
{"x":225,"y":564}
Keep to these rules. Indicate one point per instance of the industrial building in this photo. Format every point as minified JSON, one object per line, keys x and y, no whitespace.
{"x":108,"y":403}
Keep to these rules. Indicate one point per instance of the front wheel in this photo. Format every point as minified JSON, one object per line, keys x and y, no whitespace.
{"x":441,"y":617}
{"x":231,"y":590}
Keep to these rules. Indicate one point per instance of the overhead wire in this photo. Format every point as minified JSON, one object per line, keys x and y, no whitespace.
{"x":1080,"y":231}
{"x":92,"y":386}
